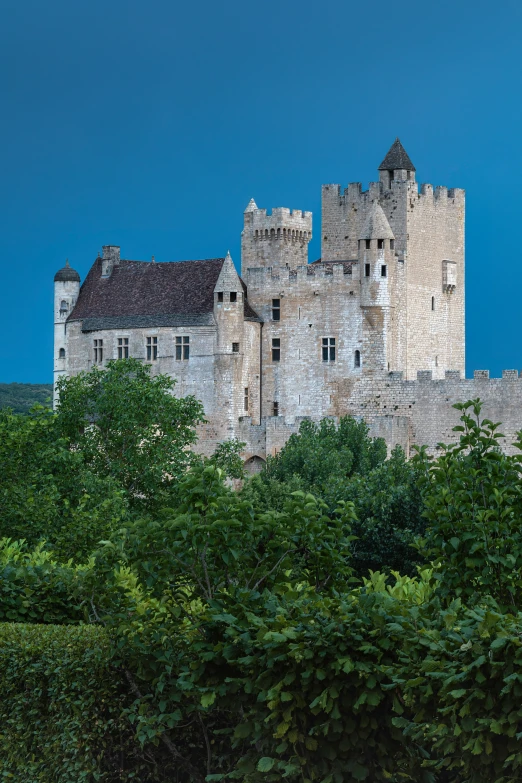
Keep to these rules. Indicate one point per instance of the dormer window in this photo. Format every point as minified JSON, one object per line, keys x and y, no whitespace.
{"x":233,"y":296}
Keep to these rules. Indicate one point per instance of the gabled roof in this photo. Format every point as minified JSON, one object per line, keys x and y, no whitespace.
{"x":376,"y":225}
{"x":396,"y":158}
{"x":139,"y":294}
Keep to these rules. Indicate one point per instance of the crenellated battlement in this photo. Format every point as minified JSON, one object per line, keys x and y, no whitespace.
{"x":280,"y":223}
{"x":262,"y":277}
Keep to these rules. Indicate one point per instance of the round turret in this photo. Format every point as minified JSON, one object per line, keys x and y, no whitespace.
{"x":67,"y":274}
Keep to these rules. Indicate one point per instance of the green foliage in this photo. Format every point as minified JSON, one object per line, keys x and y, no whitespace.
{"x":236,"y":644}
{"x":60,"y":707}
{"x":46,"y":490}
{"x":344,"y":464}
{"x":34,"y":588}
{"x":129,"y":426}
{"x":21,"y":397}
{"x":473,"y":500}
{"x":324,"y":451}
{"x":227,"y":457}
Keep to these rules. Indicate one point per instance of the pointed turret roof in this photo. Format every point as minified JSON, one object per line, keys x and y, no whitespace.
{"x":397,"y":158}
{"x":252,"y":206}
{"x":376,"y":225}
{"x":228,"y":279}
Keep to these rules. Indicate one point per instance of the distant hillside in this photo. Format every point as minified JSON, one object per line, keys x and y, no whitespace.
{"x":22,"y":396}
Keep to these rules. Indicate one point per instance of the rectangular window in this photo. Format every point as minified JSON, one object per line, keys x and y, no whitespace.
{"x":233,"y":296}
{"x":152,"y":349}
{"x":383,"y":270}
{"x":220,"y":296}
{"x":182,"y":347}
{"x":368,"y":245}
{"x":246,"y":398}
{"x":367,"y":270}
{"x":276,"y":409}
{"x":328,"y":349}
{"x":235,"y":347}
{"x":123,"y":347}
{"x":380,"y":244}
{"x":276,"y":349}
{"x":392,"y":244}
{"x":98,"y":351}
{"x":276,"y":309}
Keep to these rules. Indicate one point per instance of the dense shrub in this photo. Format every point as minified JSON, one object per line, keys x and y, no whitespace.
{"x":60,"y":707}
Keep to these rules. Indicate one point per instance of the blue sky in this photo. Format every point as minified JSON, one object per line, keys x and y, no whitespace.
{"x":151,"y":125}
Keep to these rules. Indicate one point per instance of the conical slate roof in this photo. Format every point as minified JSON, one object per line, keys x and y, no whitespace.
{"x":376,"y":225}
{"x":396,"y":158}
{"x":67,"y":274}
{"x":252,"y":206}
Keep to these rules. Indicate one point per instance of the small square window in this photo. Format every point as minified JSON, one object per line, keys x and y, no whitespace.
{"x":383,"y":270}
{"x":367,"y":270}
{"x":328,"y":349}
{"x":276,"y":349}
{"x":220,"y":296}
{"x":276,"y":309}
{"x":182,"y":347}
{"x":152,"y":349}
{"x":235,"y":347}
{"x":233,"y":296}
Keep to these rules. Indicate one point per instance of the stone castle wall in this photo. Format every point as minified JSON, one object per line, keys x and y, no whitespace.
{"x":408,"y":413}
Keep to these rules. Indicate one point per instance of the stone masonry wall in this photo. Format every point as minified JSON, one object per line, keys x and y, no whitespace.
{"x":408,"y":413}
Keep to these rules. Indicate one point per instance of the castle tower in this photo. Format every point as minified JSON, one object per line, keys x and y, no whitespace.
{"x":427,"y":311}
{"x":228,"y":307}
{"x":277,"y":240}
{"x":376,"y":254}
{"x":66,"y":290}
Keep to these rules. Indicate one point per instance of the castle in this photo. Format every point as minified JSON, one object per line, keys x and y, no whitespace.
{"x":374,"y":328}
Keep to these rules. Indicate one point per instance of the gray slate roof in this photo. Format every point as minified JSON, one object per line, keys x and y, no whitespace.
{"x":142,"y":294}
{"x":67,"y":274}
{"x":396,"y":158}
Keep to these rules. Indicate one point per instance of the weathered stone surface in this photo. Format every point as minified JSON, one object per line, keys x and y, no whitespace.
{"x":375,"y":329}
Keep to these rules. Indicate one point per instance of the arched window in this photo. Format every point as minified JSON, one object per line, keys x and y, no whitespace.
{"x":61,"y":353}
{"x":357,"y":359}
{"x":63,"y":306}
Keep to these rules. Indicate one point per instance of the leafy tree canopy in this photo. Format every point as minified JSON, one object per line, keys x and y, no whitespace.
{"x":342,"y":462}
{"x":129,"y":426}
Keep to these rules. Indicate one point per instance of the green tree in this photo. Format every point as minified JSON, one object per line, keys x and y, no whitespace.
{"x":129,"y":426}
{"x":473,"y":506}
{"x":47,"y":493}
{"x":343,"y":462}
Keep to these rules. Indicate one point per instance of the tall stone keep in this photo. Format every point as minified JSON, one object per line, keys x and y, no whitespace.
{"x":66,"y":290}
{"x":427,"y":304}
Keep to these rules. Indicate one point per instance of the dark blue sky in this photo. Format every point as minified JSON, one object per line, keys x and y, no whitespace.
{"x":151,"y":125}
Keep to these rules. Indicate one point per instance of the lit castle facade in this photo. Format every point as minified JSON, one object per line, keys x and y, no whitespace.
{"x":374,"y":328}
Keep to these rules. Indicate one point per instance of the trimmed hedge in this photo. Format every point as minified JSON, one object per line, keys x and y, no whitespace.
{"x":60,"y":706}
